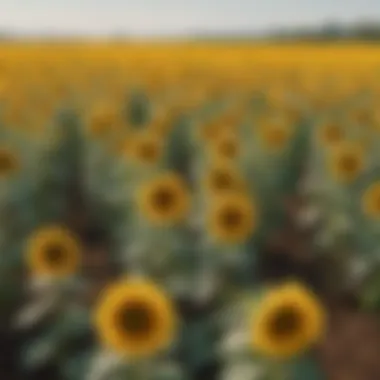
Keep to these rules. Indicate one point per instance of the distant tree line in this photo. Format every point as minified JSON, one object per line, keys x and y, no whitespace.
{"x":363,"y":31}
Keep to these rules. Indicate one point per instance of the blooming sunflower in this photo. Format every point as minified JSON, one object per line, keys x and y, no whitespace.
{"x":276,"y":96}
{"x":53,"y":251}
{"x":330,"y":134}
{"x":233,"y":118}
{"x":288,"y":320}
{"x":371,"y":201}
{"x":274,"y":135}
{"x":162,"y":125}
{"x":207,"y":133}
{"x":231,"y":218}
{"x":376,"y":121}
{"x":226,"y":146}
{"x":102,"y":120}
{"x":9,"y":162}
{"x":164,"y":199}
{"x":292,"y":114}
{"x":123,"y":147}
{"x":146,"y":148}
{"x":362,"y":115}
{"x":222,"y":177}
{"x":135,"y":318}
{"x":14,"y":113}
{"x":347,"y":161}
{"x":3,"y":89}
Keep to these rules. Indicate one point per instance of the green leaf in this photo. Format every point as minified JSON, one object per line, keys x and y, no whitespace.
{"x":169,"y":371}
{"x":178,"y":151}
{"x":306,"y":368}
{"x":41,"y":351}
{"x":137,"y":111}
{"x":76,"y":367}
{"x":73,"y":325}
{"x":198,"y":344}
{"x":370,"y":297}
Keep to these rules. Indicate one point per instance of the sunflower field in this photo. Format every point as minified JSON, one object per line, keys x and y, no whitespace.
{"x":189,"y":211}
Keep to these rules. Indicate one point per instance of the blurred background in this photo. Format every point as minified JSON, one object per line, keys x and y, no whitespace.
{"x":189,"y":190}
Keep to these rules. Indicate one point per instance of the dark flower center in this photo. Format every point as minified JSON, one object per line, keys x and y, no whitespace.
{"x":276,"y":135}
{"x":55,"y":254}
{"x":232,"y":218}
{"x":363,"y":116}
{"x":102,"y":123}
{"x":333,"y":133}
{"x":285,"y":323}
{"x":163,"y":199}
{"x":228,"y":148}
{"x":148,"y":151}
{"x":349,"y":163}
{"x":222,"y":180}
{"x":377,"y":202}
{"x":136,"y":319}
{"x":5,"y":163}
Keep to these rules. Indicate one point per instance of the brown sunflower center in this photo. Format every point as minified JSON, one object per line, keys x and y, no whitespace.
{"x":101,"y":123}
{"x":363,"y":116}
{"x":136,"y":319}
{"x":232,"y":217}
{"x":276,"y":136}
{"x":209,"y":133}
{"x":148,"y":151}
{"x":377,"y":202}
{"x":349,"y":163}
{"x":228,"y":148}
{"x":333,"y":133}
{"x":221,"y":180}
{"x":163,"y":199}
{"x":285,"y":322}
{"x":6,"y":163}
{"x":55,"y":254}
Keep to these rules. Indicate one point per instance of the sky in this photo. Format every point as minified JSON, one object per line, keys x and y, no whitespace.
{"x":174,"y":17}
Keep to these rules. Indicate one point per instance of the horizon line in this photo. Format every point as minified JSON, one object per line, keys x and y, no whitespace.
{"x":189,"y":34}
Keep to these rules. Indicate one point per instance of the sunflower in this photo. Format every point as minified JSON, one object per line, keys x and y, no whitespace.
{"x":347,"y":161}
{"x":162,"y":126}
{"x":164,"y":199}
{"x":135,"y":318}
{"x":330,"y":134}
{"x":3,"y":89}
{"x":207,"y":133}
{"x":274,"y":135}
{"x":102,"y":120}
{"x":233,"y":118}
{"x":226,"y":146}
{"x":276,"y":97}
{"x":376,"y":121}
{"x":9,"y":163}
{"x":371,"y":201}
{"x":123,"y":147}
{"x":231,"y":218}
{"x":222,"y":177}
{"x":288,"y":320}
{"x":15,"y":112}
{"x":291,"y":114}
{"x":53,"y":251}
{"x":321,"y":103}
{"x":146,"y":148}
{"x":362,"y":115}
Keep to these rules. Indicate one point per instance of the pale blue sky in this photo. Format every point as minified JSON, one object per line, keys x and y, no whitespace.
{"x":175,"y":16}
